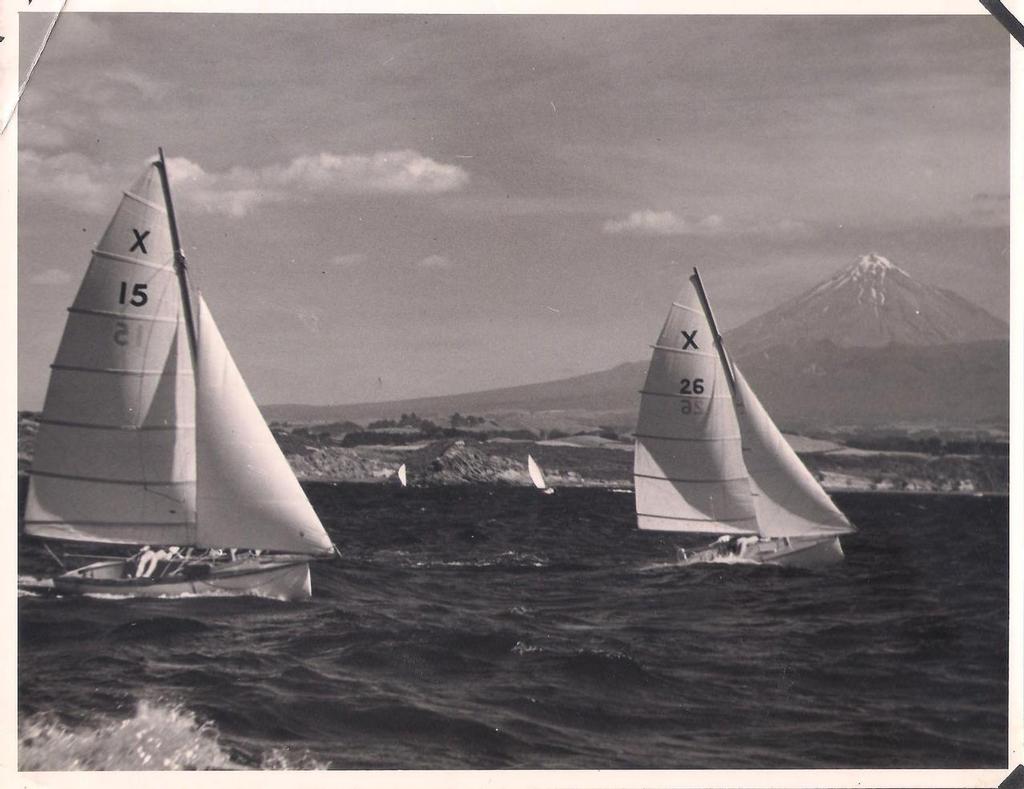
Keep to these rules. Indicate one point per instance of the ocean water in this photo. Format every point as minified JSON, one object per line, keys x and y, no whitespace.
{"x":492,"y":627}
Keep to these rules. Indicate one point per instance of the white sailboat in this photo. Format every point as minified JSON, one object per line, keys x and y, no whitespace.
{"x":537,"y":476}
{"x":150,"y":437}
{"x":710,"y":460}
{"x":402,"y":477}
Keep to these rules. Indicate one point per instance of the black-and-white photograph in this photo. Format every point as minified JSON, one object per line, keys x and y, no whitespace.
{"x":502,"y":392}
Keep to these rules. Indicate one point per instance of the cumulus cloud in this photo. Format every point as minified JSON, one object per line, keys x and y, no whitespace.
{"x":435,"y":262}
{"x":386,"y":171}
{"x":51,"y":276}
{"x":236,"y":192}
{"x":667,"y":223}
{"x":649,"y":223}
{"x":239,"y":190}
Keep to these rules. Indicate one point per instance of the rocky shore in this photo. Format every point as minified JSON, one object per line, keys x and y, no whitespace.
{"x":592,"y":461}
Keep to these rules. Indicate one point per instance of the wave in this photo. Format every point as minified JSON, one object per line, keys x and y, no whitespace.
{"x":505,"y":559}
{"x":158,"y":736}
{"x":159,"y":627}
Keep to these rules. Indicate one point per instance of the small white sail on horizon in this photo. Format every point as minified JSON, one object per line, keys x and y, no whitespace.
{"x":402,"y":476}
{"x":708,"y":458}
{"x":537,"y":476}
{"x":137,"y":447}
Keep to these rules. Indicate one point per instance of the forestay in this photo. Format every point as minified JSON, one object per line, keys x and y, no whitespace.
{"x":688,"y":464}
{"x":115,"y":450}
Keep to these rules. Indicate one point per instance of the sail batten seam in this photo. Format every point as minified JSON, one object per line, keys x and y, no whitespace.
{"x":112,"y":370}
{"x":145,"y":202}
{"x":122,"y":315}
{"x":102,"y":253}
{"x":684,"y":438}
{"x":687,"y":396}
{"x":669,"y":348}
{"x":695,"y":520}
{"x":130,"y":428}
{"x":694,"y":481}
{"x":136,"y":524}
{"x":111,"y":480}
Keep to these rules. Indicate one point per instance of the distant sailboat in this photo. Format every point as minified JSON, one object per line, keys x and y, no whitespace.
{"x":537,"y":476}
{"x":149,"y":436}
{"x":402,"y":476}
{"x":710,"y":460}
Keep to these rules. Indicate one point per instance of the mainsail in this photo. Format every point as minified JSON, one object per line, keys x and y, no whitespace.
{"x":402,"y":475}
{"x":688,"y":464}
{"x":536,"y":475}
{"x":115,"y":451}
{"x":709,"y":459}
{"x":131,"y":448}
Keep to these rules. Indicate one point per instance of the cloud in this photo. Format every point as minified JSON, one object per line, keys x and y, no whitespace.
{"x":41,"y":135}
{"x":668,"y":223}
{"x":239,"y":190}
{"x":649,"y":223}
{"x":435,"y":262}
{"x":146,"y":86}
{"x":75,"y":179}
{"x":351,"y":259}
{"x":69,"y":178}
{"x":388,"y":171}
{"x":52,"y":276}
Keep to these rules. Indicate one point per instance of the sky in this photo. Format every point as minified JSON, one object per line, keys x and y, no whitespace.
{"x":382,"y":207}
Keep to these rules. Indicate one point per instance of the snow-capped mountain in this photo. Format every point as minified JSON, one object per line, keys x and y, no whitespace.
{"x":869,"y":304}
{"x":869,"y":346}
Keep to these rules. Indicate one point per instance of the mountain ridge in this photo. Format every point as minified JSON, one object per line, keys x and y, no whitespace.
{"x":870,"y":345}
{"x":870,"y":303}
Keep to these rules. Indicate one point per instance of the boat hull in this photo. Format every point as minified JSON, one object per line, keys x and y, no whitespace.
{"x":804,"y":552}
{"x":278,"y":580}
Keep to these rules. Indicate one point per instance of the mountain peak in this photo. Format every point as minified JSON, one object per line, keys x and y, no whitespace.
{"x":871,"y":302}
{"x":873,"y":265}
{"x":867,"y":276}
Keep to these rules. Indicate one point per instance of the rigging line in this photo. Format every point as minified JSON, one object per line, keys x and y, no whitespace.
{"x":32,"y":66}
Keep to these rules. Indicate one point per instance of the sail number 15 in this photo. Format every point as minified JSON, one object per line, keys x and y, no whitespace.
{"x":138,"y":294}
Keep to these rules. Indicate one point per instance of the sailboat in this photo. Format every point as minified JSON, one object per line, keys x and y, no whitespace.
{"x":537,"y":476}
{"x":402,"y":477}
{"x":150,"y":437}
{"x":709,"y":459}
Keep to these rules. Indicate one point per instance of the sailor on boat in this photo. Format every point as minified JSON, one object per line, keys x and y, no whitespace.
{"x":149,"y":435}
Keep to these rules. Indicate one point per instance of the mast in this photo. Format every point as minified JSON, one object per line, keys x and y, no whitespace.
{"x":180,"y":267}
{"x":705,"y":304}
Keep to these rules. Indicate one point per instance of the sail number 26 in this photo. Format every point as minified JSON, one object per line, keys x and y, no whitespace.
{"x":138,"y":294}
{"x":694,"y":386}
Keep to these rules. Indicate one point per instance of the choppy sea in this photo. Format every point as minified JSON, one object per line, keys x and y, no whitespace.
{"x":493,"y":627}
